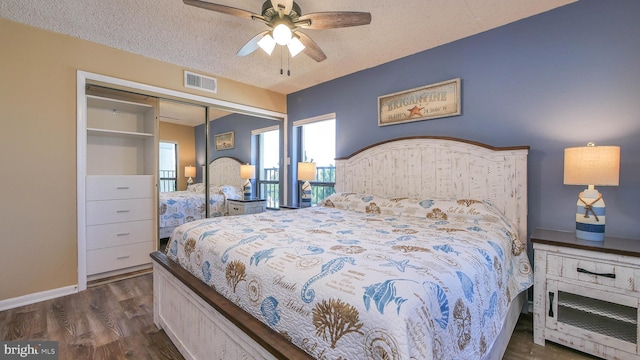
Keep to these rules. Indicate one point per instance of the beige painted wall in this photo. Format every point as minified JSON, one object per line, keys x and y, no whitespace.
{"x":38,"y":145}
{"x":184,"y":136}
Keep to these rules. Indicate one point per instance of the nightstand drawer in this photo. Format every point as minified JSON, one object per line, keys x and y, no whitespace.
{"x":245,"y":207}
{"x":592,"y":271}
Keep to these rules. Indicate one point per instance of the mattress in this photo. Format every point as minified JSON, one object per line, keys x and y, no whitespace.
{"x":366,"y":277}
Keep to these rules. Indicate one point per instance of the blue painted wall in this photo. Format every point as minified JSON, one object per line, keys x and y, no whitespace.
{"x":559,"y":79}
{"x":241,"y":125}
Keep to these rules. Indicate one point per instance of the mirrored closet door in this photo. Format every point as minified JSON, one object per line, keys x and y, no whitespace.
{"x":120,"y":127}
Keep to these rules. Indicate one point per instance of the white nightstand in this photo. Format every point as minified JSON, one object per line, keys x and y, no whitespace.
{"x":244,"y":207}
{"x":587,"y":294}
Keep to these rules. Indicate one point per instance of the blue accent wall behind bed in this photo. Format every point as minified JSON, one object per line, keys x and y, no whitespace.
{"x":559,"y":79}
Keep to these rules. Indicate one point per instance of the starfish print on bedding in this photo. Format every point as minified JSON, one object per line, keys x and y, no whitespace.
{"x":400,"y":265}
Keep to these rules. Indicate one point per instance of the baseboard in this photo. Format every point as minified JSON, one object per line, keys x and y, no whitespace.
{"x":37,"y":297}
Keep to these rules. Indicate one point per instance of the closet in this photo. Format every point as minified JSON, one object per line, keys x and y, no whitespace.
{"x":118,"y":132}
{"x":120,"y":189}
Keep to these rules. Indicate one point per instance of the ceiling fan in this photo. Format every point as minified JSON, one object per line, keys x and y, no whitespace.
{"x":285,"y":19}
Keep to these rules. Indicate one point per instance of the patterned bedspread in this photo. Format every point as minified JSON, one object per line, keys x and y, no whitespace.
{"x":366,"y":277}
{"x":179,"y":207}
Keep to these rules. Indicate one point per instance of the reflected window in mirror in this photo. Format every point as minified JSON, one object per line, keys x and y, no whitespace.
{"x":168,"y":168}
{"x":267,"y":152}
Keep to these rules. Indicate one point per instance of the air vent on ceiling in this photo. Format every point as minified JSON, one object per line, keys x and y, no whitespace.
{"x":201,"y":82}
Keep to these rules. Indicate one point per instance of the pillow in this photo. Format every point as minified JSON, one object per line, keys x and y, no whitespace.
{"x":198,"y":187}
{"x":229,"y":191}
{"x":337,"y":200}
{"x":435,"y":209}
{"x":357,"y":202}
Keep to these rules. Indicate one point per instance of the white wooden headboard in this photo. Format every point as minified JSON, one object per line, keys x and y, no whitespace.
{"x":225,"y":171}
{"x":441,"y":167}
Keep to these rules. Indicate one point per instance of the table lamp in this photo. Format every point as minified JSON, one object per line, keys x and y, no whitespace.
{"x":190,"y":172}
{"x":591,"y":165}
{"x":247,"y":172}
{"x":306,"y":172}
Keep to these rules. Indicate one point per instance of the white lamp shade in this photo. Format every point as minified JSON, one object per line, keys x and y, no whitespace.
{"x":247,"y":171}
{"x":267,"y":43}
{"x":189,"y":171}
{"x":306,"y":171}
{"x":295,"y":46}
{"x":592,"y":165}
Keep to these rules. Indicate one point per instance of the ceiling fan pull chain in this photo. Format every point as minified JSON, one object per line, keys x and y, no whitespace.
{"x":288,"y":71}
{"x":281,"y":71}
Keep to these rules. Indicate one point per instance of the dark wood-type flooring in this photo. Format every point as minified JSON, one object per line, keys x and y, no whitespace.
{"x":115,"y":321}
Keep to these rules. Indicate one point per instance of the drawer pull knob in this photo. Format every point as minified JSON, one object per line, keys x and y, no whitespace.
{"x":122,"y":188}
{"x":584,"y":271}
{"x":551,"y":294}
{"x":122,"y":234}
{"x":122,"y":211}
{"x":123,"y":257}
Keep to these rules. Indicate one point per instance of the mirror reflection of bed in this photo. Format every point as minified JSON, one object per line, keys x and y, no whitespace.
{"x":182,"y":131}
{"x":182,"y":206}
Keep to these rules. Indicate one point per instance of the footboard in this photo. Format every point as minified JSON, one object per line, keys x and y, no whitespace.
{"x":204,"y":325}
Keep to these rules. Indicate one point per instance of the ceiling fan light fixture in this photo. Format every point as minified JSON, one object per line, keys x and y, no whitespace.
{"x":295,"y":46}
{"x":282,"y":34}
{"x":267,"y":43}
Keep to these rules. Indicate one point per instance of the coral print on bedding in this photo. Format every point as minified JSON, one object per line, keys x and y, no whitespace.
{"x":362,"y":276}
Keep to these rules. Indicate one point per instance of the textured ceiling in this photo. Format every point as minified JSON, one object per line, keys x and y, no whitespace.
{"x":202,"y":40}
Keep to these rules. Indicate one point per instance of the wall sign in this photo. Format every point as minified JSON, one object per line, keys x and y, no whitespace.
{"x":224,"y":141}
{"x":424,"y":103}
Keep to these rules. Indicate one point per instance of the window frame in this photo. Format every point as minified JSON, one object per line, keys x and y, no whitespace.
{"x":298,"y":127}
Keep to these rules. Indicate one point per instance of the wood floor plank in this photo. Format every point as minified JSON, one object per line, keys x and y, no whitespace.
{"x":115,"y":321}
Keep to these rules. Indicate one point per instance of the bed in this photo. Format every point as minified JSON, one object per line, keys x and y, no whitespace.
{"x":178,"y":207}
{"x":421,"y":253}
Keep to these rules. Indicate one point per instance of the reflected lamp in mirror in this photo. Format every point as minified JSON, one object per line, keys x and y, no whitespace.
{"x":247,"y":172}
{"x":306,"y":172}
{"x":190,"y":172}
{"x":591,"y":165}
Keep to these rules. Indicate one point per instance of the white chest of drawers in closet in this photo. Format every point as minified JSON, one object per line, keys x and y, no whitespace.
{"x":120,"y":221}
{"x":117,"y":193}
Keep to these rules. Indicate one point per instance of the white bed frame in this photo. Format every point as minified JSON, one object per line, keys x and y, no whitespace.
{"x":225,"y":171}
{"x":222,"y":171}
{"x":204,"y":325}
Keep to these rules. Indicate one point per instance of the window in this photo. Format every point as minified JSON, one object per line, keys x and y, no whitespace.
{"x":167,"y":166}
{"x":267,"y":143}
{"x":318,"y":144}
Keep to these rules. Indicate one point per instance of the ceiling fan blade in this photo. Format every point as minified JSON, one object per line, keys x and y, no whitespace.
{"x":311,"y":49}
{"x":284,"y":5}
{"x":331,"y":20}
{"x":222,"y":9}
{"x":251,"y":45}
